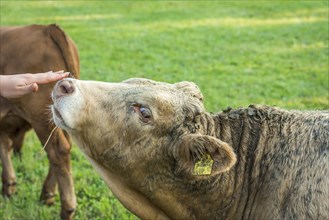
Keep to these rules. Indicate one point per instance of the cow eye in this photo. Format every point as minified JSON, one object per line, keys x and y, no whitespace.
{"x":145,"y":113}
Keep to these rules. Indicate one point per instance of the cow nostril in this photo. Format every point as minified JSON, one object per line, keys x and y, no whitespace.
{"x":66,"y":87}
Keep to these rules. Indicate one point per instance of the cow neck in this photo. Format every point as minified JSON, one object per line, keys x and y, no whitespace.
{"x":132,"y":199}
{"x":242,"y":129}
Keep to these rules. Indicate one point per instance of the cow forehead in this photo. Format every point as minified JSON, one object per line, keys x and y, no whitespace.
{"x":143,"y":89}
{"x":146,"y":82}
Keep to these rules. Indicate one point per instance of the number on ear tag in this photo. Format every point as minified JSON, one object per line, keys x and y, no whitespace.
{"x":203,"y":166}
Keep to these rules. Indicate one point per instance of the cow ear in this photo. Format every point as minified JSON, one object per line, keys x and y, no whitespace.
{"x":202,"y":156}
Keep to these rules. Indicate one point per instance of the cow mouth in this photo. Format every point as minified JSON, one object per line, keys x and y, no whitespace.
{"x":57,"y":114}
{"x":58,"y":119}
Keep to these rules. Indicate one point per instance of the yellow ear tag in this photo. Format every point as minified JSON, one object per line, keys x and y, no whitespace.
{"x":203,"y":166}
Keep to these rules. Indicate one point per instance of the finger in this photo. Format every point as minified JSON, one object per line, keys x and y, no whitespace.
{"x":62,"y":72}
{"x":59,"y":72}
{"x":43,"y":78}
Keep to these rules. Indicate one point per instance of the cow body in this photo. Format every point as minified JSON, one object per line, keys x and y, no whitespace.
{"x":34,"y":49}
{"x":164,"y":156}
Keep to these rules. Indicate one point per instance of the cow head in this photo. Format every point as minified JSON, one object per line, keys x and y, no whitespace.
{"x":141,"y":132}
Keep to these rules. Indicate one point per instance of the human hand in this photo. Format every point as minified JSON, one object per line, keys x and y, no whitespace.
{"x":15,"y":86}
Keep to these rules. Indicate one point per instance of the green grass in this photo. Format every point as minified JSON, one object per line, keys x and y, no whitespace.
{"x":238,"y":52}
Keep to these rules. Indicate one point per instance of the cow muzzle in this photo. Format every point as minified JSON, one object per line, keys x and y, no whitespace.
{"x":66,"y":103}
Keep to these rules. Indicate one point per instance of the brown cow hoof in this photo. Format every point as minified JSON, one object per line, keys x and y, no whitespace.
{"x":47,"y":198}
{"x":67,"y":214}
{"x":8,"y":189}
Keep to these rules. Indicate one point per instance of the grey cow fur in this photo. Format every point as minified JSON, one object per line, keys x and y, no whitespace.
{"x":282,"y":163}
{"x":147,"y":139}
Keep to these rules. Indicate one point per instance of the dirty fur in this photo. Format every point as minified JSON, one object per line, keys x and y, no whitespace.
{"x":281,"y":162}
{"x":268,"y":163}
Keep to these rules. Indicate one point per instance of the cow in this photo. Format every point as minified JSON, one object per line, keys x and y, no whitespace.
{"x":165,"y":157}
{"x":33,"y":49}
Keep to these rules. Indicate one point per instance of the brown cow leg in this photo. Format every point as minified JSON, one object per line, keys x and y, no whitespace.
{"x":49,"y":188}
{"x":8,"y":172}
{"x":58,"y":150}
{"x":18,"y":140}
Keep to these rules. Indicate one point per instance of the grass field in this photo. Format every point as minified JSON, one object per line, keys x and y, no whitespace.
{"x":238,"y":52}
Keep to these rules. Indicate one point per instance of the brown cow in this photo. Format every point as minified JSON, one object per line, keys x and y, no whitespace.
{"x":164,"y":156}
{"x":33,"y":49}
